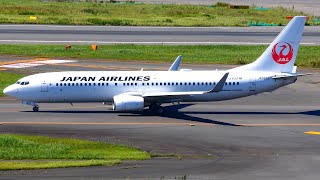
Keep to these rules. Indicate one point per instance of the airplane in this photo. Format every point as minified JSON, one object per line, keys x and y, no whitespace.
{"x":136,"y":90}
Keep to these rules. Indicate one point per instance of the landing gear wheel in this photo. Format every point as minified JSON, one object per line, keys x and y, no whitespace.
{"x":156,"y":108}
{"x":35,"y":108}
{"x":160,"y":110}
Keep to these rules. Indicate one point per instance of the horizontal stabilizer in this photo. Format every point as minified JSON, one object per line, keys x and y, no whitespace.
{"x":282,"y":76}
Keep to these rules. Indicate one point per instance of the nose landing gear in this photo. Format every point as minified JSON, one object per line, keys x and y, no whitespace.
{"x":35,"y":108}
{"x":34,"y":104}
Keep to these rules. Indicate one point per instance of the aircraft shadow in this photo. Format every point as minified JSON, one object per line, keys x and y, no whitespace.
{"x":312,"y":113}
{"x":173,"y":112}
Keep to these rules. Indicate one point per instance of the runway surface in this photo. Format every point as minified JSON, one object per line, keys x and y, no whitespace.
{"x":55,"y":34}
{"x":258,"y":137}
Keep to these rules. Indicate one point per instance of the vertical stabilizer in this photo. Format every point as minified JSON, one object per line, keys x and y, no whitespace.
{"x":281,"y":55}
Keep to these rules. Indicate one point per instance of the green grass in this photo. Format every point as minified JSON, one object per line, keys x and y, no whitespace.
{"x":7,"y":78}
{"x":308,"y":56}
{"x":36,"y":164}
{"x":32,"y":152}
{"x":19,"y":11}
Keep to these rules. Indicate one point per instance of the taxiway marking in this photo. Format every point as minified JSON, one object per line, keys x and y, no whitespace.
{"x":312,"y":132}
{"x":22,"y":61}
{"x":33,"y":63}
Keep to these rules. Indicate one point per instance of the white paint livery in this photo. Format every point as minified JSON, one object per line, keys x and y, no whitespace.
{"x":135,"y":90}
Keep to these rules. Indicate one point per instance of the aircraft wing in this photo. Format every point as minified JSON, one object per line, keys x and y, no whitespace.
{"x":175,"y":64}
{"x":217,"y":88}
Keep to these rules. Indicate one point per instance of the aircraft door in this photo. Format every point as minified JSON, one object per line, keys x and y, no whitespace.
{"x":252,"y":86}
{"x":44,"y":86}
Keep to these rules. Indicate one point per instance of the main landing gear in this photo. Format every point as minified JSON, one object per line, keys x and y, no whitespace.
{"x":35,"y":108}
{"x":156,"y":108}
{"x":34,"y":104}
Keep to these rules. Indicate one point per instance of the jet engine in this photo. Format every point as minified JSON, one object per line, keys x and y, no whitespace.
{"x":127,"y":103}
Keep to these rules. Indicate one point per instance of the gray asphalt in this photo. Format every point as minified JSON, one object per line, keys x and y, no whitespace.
{"x":258,"y":137}
{"x":54,"y":34}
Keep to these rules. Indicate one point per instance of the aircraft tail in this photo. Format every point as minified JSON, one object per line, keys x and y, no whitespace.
{"x":281,"y":55}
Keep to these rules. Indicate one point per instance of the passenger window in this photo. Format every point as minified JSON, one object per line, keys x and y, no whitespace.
{"x":57,"y":84}
{"x":234,"y":83}
{"x":194,"y":83}
{"x":210,"y":83}
{"x":238,"y":83}
{"x":94,"y":84}
{"x":77,"y":84}
{"x":226,"y":83}
{"x":142,"y":84}
{"x":72,"y":84}
{"x":147,"y":84}
{"x":65,"y":84}
{"x":124,"y":84}
{"x":156,"y":84}
{"x":229,"y":83}
{"x":135,"y":84}
{"x":206,"y":84}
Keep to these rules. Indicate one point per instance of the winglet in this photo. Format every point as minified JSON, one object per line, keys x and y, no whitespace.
{"x":219,"y":86}
{"x":175,"y":64}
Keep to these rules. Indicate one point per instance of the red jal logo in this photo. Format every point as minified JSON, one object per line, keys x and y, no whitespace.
{"x":278,"y":53}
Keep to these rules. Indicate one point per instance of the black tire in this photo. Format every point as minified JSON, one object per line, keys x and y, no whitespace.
{"x":35,"y":108}
{"x":156,"y":109}
{"x":160,"y":110}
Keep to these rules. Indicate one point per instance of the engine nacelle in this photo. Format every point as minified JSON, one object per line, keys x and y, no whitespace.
{"x":127,"y":103}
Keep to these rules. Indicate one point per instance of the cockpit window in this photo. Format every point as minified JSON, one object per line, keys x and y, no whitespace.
{"x":23,"y":83}
{"x":18,"y":82}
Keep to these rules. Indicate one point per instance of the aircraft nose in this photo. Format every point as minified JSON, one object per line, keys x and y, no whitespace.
{"x":10,"y":91}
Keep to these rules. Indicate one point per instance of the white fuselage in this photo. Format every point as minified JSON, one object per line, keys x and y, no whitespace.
{"x":102,"y":86}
